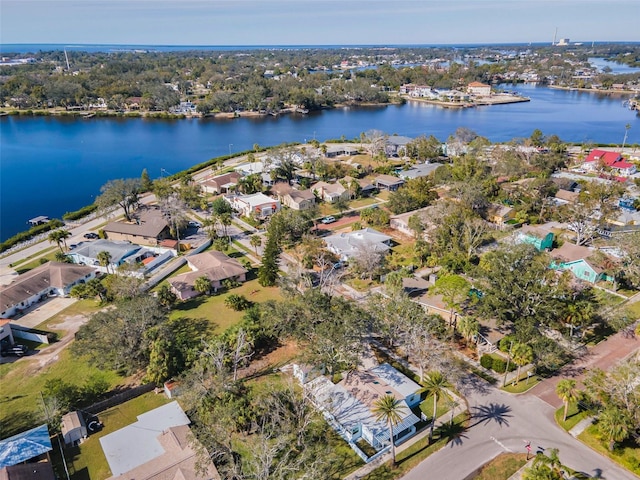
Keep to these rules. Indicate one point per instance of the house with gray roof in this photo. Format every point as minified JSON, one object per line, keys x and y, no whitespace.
{"x":419,"y":170}
{"x":349,"y":405}
{"x":348,"y":245}
{"x":397,"y":145}
{"x":215,"y":266}
{"x":148,"y":228}
{"x":156,"y":446}
{"x":51,"y":278}
{"x":388,"y":182}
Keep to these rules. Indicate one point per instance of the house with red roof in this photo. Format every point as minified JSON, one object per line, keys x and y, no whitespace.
{"x":478,"y":88}
{"x":601,"y":159}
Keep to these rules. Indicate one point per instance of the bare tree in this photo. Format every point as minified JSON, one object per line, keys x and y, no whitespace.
{"x":367,"y":260}
{"x":243,"y":351}
{"x":174,"y":211}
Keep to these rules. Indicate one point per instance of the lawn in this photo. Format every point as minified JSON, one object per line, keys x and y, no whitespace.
{"x":574,"y":415}
{"x":215,"y":311}
{"x":403,"y":255}
{"x":81,"y":307}
{"x":21,"y":387}
{"x":634,"y":310}
{"x":87,"y":461}
{"x":502,"y":467}
{"x":34,"y":255}
{"x":627,"y":454}
{"x":51,"y":256}
{"x":442,"y":407}
{"x":416,"y":453}
{"x":362,"y":202}
{"x":523,"y":385}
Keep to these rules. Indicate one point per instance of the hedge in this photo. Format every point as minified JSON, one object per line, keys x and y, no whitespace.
{"x":486,"y":361}
{"x":28,"y":234}
{"x":83,"y":212}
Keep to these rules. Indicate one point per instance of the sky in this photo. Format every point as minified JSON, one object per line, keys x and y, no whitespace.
{"x":315,"y":22}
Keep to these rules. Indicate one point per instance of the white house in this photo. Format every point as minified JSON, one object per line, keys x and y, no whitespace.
{"x":480,"y":89}
{"x":348,"y":245}
{"x":349,"y":405}
{"x":51,"y":278}
{"x":257,"y":204}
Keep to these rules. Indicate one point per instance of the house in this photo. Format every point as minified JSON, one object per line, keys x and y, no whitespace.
{"x":500,"y":214}
{"x":74,"y":428}
{"x":330,"y":192}
{"x":215,"y":266}
{"x":340,"y":151}
{"x":348,"y":245}
{"x":388,"y":182}
{"x":158,"y":446}
{"x":564,"y":197}
{"x":148,"y":228}
{"x":256,"y":204}
{"x":479,"y":89}
{"x":366,"y":187}
{"x":221,"y":184}
{"x":42,"y":470}
{"x":419,"y":170}
{"x":539,"y":237}
{"x":51,"y":278}
{"x":349,"y":405}
{"x":396,"y":145}
{"x":120,"y":253}
{"x":250,"y":168}
{"x":25,"y":446}
{"x":6,"y":335}
{"x":582,"y":263}
{"x":599,"y":159}
{"x":292,"y":198}
{"x":400,"y":222}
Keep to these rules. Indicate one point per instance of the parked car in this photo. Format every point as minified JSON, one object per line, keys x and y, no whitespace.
{"x":328,"y":220}
{"x":194,"y":224}
{"x":91,"y":236}
{"x":17,"y":350}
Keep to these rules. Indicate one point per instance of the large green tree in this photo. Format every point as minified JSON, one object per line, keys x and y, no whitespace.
{"x":122,"y":192}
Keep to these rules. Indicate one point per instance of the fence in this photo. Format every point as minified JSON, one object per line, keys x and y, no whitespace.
{"x":119,"y":398}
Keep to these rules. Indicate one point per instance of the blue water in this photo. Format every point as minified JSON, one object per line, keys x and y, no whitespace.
{"x":53,"y":165}
{"x":616,"y":68}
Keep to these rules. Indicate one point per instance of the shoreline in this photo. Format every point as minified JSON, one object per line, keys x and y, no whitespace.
{"x":594,"y":90}
{"x":494,"y":99}
{"x":88,"y":114}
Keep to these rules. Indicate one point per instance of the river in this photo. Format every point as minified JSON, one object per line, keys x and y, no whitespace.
{"x":50,"y":165}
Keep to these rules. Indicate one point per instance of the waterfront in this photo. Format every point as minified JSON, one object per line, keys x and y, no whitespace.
{"x":51,"y":165}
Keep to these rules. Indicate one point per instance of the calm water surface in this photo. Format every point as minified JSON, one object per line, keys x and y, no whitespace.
{"x":53,"y":165}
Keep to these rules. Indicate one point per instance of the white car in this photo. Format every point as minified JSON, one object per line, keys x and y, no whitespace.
{"x":328,"y":220}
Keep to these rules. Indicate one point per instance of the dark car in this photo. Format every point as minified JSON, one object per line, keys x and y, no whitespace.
{"x":17,"y":350}
{"x":90,"y":236}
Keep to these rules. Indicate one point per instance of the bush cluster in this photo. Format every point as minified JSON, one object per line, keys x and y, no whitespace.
{"x":28,"y":234}
{"x":83,"y":212}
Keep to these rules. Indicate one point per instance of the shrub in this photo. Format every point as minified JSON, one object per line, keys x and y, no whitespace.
{"x":83,"y":212}
{"x":486,"y":361}
{"x":28,"y":234}
{"x":499,"y":365}
{"x":237,"y":302}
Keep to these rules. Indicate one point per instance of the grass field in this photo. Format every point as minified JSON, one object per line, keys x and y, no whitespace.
{"x":81,"y":307}
{"x":215,"y":311}
{"x":627,"y":454}
{"x":21,"y":387}
{"x":574,"y":415}
{"x":523,"y":385}
{"x":87,"y":461}
{"x":502,"y":467}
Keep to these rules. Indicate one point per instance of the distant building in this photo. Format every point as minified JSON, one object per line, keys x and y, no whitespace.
{"x":539,"y":237}
{"x":479,"y":89}
{"x":221,"y":184}
{"x":348,"y":245}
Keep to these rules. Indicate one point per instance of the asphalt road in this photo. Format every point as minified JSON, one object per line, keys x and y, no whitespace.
{"x":505,"y":423}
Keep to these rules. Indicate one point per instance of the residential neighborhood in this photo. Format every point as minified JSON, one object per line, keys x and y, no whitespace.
{"x":344,"y":308}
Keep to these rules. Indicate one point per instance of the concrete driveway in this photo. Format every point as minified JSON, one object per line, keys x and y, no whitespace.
{"x":43,"y":311}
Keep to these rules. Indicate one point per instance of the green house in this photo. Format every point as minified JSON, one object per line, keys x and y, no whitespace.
{"x":581,"y":262}
{"x":540,"y":238}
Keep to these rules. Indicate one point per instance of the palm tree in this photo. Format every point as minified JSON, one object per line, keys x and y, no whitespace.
{"x":521,"y":354}
{"x":545,"y":467}
{"x":566,"y":390}
{"x":435,"y":385}
{"x":202,"y":285}
{"x":61,"y":257}
{"x":104,"y":258}
{"x":59,"y":237}
{"x":255,"y":241}
{"x":614,"y":423}
{"x":469,"y":328}
{"x":390,"y":410}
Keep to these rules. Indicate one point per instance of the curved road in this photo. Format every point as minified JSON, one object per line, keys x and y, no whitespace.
{"x":505,"y":423}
